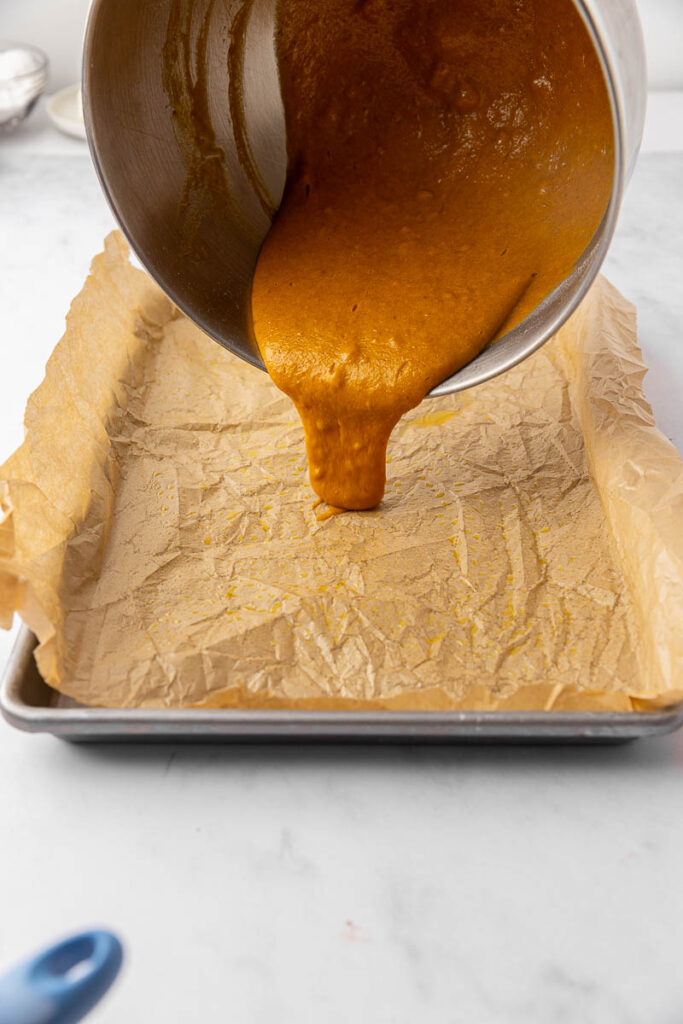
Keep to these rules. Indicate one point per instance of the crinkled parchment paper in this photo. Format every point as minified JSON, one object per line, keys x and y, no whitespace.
{"x":157,"y":530}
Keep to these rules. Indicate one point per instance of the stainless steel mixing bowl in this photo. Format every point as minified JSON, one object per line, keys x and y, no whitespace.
{"x":185,"y":124}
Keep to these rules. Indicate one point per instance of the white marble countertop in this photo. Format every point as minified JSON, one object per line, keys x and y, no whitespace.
{"x":463,"y":886}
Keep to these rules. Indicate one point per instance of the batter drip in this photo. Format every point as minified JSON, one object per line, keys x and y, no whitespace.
{"x":449,"y":161}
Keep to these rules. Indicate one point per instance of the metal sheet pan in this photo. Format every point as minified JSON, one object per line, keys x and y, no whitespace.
{"x":29,"y":704}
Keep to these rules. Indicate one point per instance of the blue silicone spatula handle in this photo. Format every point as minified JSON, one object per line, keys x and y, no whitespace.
{"x":62,"y":983}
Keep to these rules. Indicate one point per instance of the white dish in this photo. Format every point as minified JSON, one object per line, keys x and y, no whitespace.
{"x":65,"y":110}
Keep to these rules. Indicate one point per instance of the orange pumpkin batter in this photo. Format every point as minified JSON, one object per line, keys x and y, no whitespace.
{"x":449,"y":161}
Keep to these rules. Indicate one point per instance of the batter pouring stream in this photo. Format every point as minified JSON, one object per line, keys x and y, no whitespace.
{"x":449,"y":161}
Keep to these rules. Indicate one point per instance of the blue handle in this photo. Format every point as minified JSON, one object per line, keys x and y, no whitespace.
{"x":63,"y":983}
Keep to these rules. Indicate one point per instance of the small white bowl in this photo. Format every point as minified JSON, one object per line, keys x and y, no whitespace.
{"x":23,"y":77}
